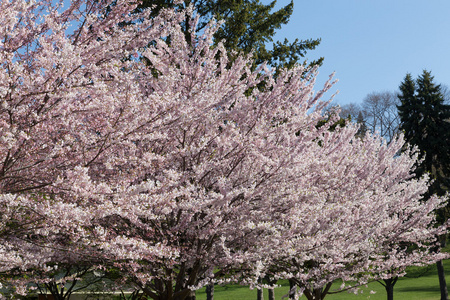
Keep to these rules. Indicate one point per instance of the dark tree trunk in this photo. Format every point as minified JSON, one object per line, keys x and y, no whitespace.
{"x":210,"y":291}
{"x":292,"y":287}
{"x":440,"y":270}
{"x":58,"y":293}
{"x":389,"y":287}
{"x":259,"y":294}
{"x":271,"y":291}
{"x":442,"y":282}
{"x":191,"y":296}
{"x":317,"y":293}
{"x":259,"y":291}
{"x":272,"y":294}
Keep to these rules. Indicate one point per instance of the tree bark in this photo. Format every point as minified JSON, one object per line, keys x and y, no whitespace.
{"x":292,"y":287}
{"x":259,"y":294}
{"x":191,"y":296}
{"x":272,"y":294}
{"x":442,"y":282}
{"x":389,"y":287}
{"x":440,"y":270}
{"x":210,"y":291}
{"x":317,"y":293}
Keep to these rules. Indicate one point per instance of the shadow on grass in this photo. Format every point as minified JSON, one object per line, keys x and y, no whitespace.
{"x":431,"y":289}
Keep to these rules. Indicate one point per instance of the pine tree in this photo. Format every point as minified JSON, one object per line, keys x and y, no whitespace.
{"x":409,"y":110}
{"x":248,"y":26}
{"x":425,"y":121}
{"x":362,"y":125}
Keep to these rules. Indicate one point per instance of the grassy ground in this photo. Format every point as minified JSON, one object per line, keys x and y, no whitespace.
{"x":419,"y":284}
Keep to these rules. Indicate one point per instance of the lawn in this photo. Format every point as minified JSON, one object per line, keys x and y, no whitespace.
{"x":419,"y":284}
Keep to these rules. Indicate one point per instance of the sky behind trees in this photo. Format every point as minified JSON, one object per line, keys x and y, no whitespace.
{"x":373,"y":44}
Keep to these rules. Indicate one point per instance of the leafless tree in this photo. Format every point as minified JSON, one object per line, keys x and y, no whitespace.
{"x":445,"y":90}
{"x":377,"y":113}
{"x":351,"y":110}
{"x":380,"y":113}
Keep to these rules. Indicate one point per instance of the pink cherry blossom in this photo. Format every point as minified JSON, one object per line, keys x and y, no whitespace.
{"x":128,"y":147}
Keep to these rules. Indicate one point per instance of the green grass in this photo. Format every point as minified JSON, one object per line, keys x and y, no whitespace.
{"x":419,"y":284}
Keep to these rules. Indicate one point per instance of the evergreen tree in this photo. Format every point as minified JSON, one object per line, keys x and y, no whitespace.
{"x":425,"y":121}
{"x":409,"y":110}
{"x":362,"y":125}
{"x":248,"y":25}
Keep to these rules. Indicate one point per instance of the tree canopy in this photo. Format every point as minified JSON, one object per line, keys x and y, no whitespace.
{"x":425,"y":121}
{"x":189,"y":177}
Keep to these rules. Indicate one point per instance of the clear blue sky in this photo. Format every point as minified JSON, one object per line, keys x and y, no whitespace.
{"x":372,"y":44}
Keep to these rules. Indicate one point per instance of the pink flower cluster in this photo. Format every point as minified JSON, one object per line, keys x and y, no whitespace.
{"x":130,"y":147}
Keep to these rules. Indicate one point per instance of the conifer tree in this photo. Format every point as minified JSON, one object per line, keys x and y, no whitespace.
{"x":425,"y":121}
{"x":248,"y":25}
{"x":362,"y":123}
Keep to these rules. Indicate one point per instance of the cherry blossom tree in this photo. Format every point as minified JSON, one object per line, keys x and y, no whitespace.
{"x":240,"y":172}
{"x":371,"y":222}
{"x":63,"y":92}
{"x":212,"y":166}
{"x":129,"y":147}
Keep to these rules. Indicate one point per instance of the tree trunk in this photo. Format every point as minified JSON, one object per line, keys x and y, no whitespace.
{"x":259,"y":294}
{"x":191,"y":296}
{"x":317,"y":293}
{"x":389,"y":287}
{"x":56,"y":292}
{"x":272,"y":294}
{"x":442,"y":282}
{"x":292,"y":288}
{"x":440,"y":270}
{"x":210,"y":291}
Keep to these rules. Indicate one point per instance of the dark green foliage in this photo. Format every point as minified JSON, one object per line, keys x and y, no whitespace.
{"x":425,"y":121}
{"x":341,"y":123}
{"x":248,"y":25}
{"x":362,"y":125}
